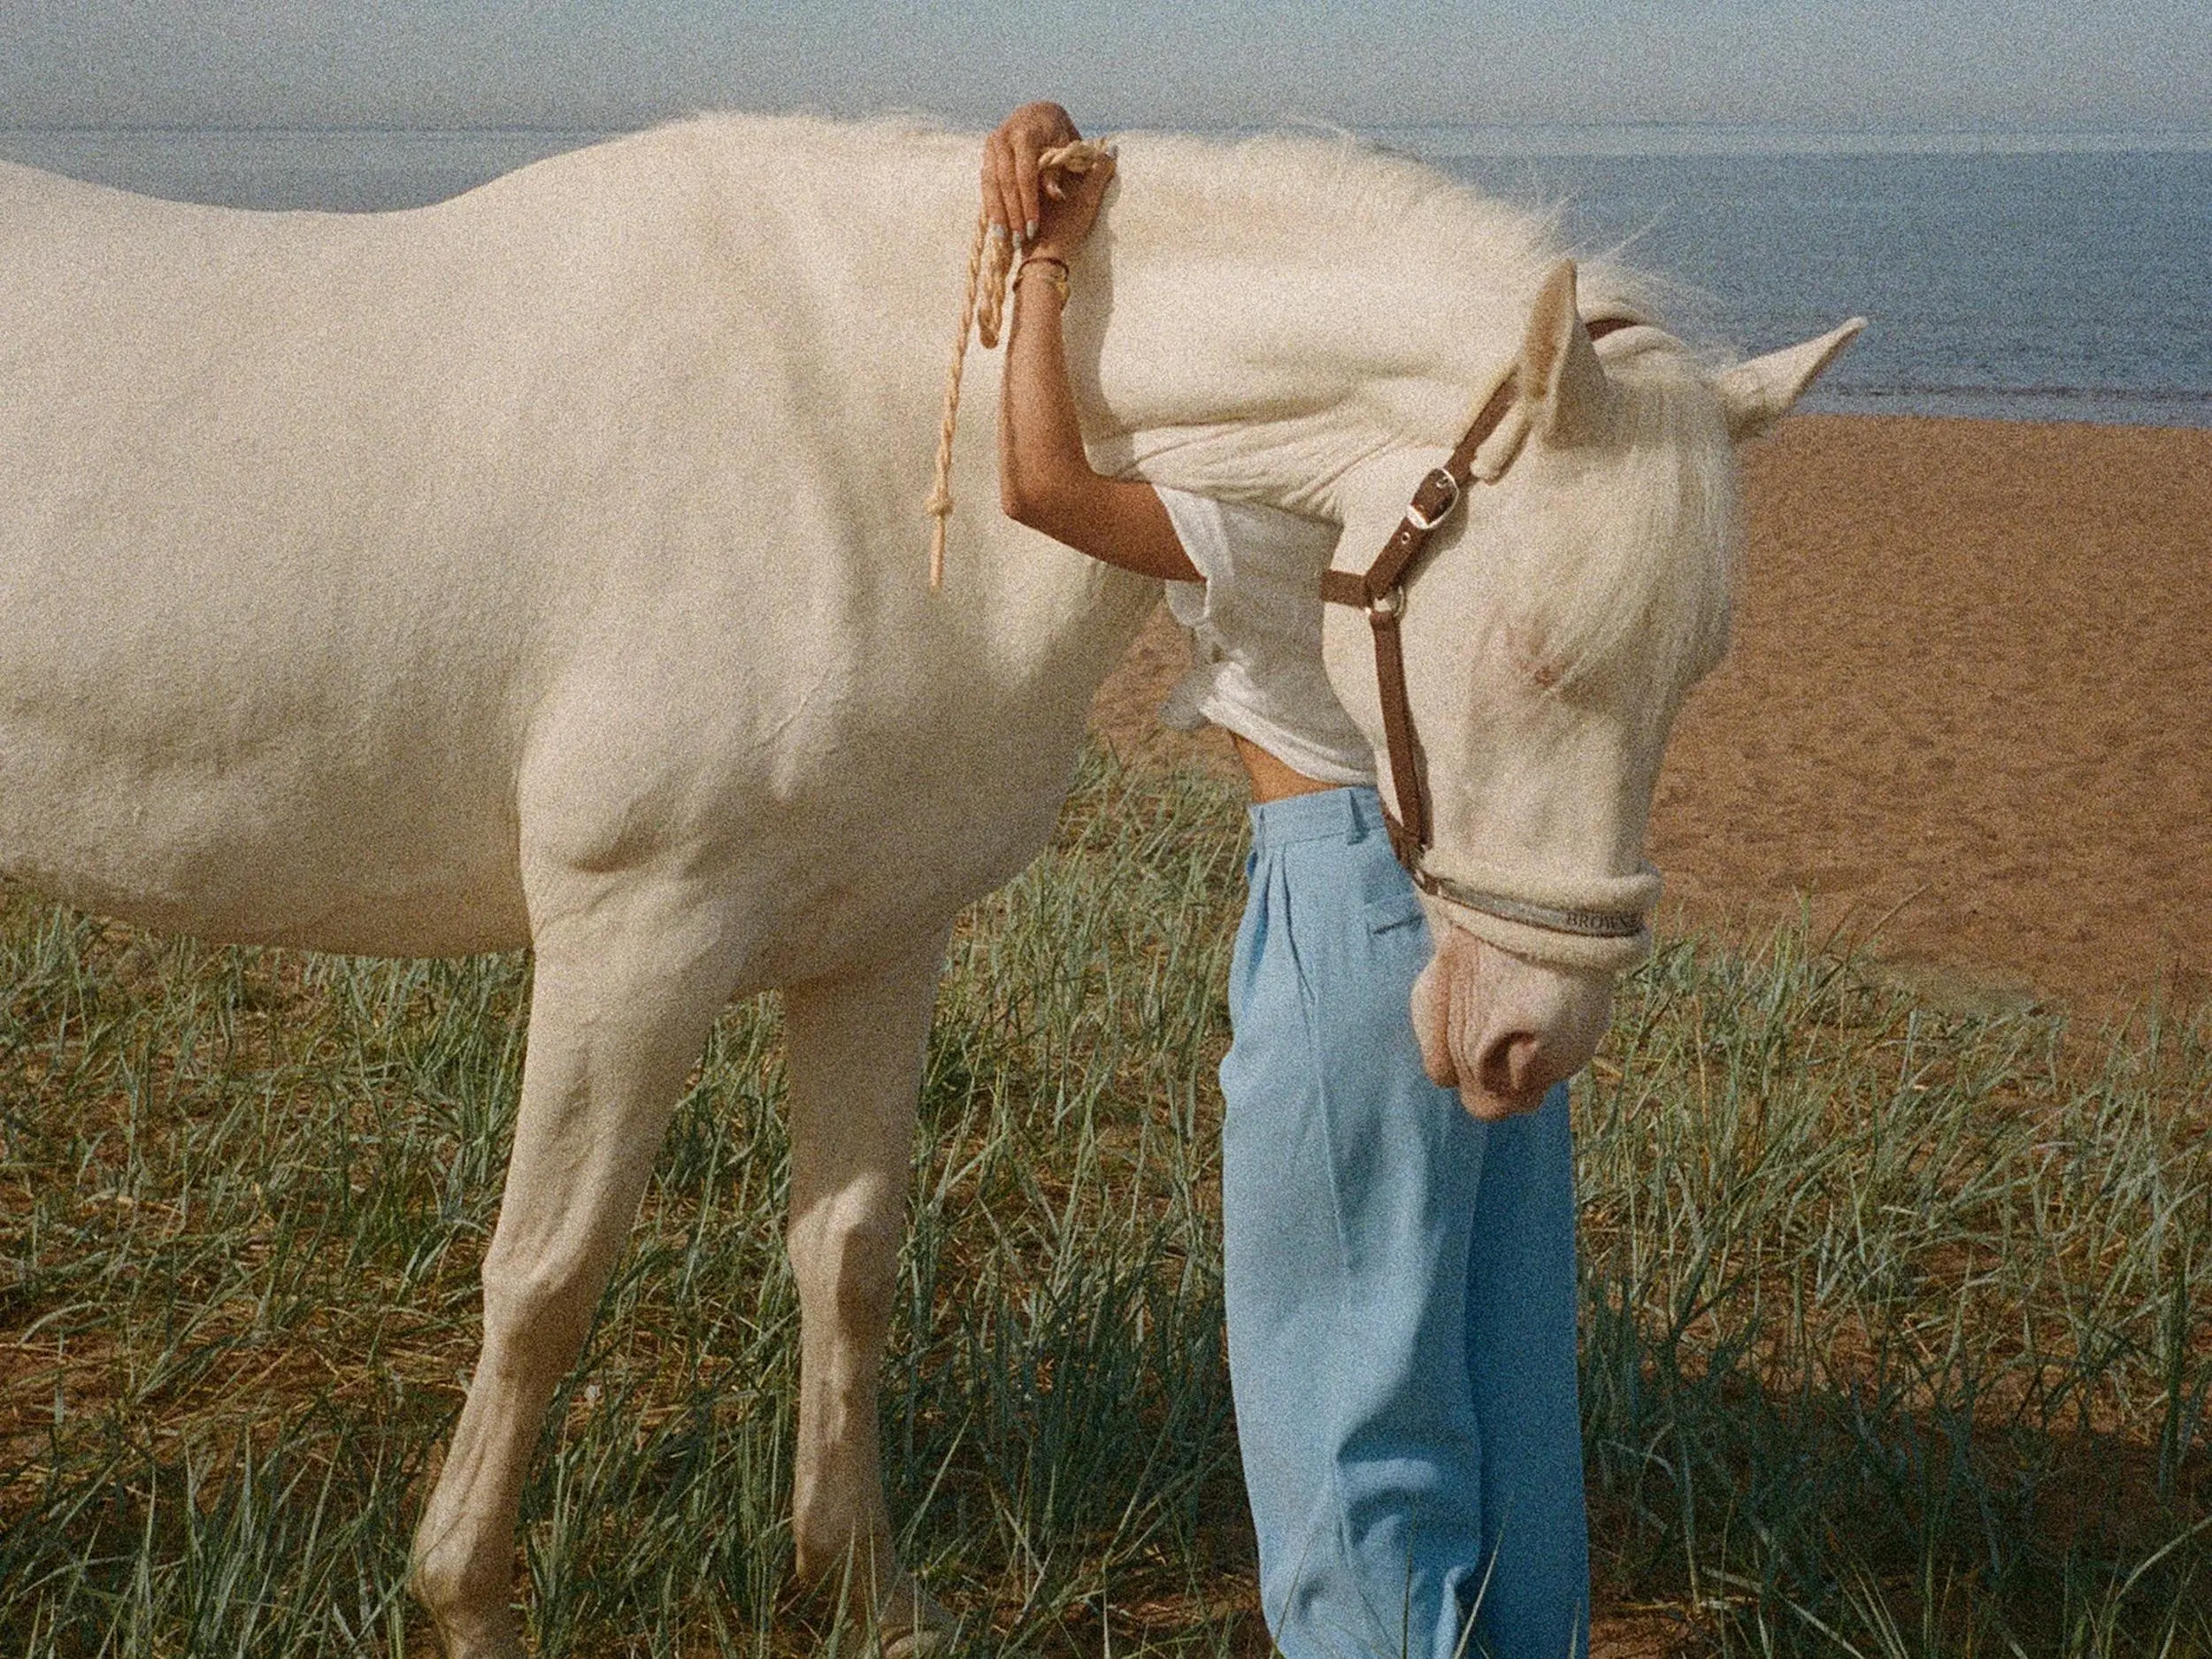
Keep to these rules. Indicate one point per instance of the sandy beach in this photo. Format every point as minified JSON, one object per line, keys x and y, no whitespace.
{"x":1971,"y":694}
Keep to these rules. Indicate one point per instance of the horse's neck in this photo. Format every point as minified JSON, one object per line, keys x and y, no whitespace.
{"x":857,"y":238}
{"x":1042,"y":622}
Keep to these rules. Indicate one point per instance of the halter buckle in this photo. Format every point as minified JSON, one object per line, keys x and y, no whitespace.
{"x":1388,"y":605}
{"x":1426,"y":519}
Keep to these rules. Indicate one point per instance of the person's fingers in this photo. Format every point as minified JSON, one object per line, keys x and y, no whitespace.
{"x":1025,"y":188}
{"x":1017,"y":164}
{"x":1021,"y":189}
{"x":1019,"y":196}
{"x":997,"y":172}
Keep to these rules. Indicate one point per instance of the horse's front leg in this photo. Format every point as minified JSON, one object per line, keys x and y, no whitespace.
{"x":626,"y":987}
{"x":855,"y":1047}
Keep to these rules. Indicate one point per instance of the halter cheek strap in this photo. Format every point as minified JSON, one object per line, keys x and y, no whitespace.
{"x":1607,"y":933}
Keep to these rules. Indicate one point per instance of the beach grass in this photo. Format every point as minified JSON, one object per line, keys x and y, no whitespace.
{"x":1897,"y":1319}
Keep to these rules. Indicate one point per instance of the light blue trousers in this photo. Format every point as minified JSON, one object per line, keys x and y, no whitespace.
{"x":1401,"y":1284}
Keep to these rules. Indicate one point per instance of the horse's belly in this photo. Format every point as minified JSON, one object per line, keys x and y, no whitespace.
{"x":259,"y":848}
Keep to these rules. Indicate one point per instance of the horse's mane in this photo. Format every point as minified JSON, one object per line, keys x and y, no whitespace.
{"x":1384,"y":210}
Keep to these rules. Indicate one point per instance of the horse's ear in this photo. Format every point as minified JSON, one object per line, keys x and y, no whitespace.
{"x":1755,"y":395}
{"x":1562,"y":379}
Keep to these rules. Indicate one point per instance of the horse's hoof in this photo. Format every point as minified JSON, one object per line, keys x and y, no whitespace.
{"x":489,"y":1636}
{"x":483,"y":1645}
{"x":913,"y":1625}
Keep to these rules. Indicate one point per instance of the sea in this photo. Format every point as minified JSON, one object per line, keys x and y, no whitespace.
{"x":2028,"y":276}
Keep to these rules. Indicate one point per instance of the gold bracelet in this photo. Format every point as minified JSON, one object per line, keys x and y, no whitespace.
{"x":1056,"y":271}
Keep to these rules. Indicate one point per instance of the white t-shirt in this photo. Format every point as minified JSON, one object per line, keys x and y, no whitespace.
{"x":1255,"y":624}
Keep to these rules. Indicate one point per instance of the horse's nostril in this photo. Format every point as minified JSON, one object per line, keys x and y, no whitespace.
{"x":1508,"y":1064}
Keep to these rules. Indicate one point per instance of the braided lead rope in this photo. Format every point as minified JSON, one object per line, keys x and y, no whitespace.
{"x":983,"y":309}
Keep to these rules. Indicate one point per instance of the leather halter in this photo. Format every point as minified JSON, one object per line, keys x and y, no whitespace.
{"x":1380,"y":592}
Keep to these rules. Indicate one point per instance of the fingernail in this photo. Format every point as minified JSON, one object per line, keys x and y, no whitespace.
{"x":1032,"y":232}
{"x":998,"y":230}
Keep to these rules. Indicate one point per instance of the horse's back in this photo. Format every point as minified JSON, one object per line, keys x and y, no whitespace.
{"x":276,"y":578}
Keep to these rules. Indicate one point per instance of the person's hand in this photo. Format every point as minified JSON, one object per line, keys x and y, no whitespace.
{"x":1014,"y":198}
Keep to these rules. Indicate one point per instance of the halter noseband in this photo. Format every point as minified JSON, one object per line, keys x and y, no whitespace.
{"x":1380,"y":592}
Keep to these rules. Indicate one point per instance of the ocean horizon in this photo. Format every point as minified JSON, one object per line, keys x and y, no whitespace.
{"x":2025,"y":274}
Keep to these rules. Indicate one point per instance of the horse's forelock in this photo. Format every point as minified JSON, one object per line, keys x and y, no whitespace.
{"x":1628,"y":571}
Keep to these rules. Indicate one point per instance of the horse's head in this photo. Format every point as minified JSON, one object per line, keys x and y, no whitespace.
{"x":1310,"y":325}
{"x":1550,"y":631}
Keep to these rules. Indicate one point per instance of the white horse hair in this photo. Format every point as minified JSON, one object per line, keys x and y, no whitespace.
{"x":543,"y":567}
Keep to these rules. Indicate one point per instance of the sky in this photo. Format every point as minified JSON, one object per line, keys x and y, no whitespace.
{"x":1913,"y":65}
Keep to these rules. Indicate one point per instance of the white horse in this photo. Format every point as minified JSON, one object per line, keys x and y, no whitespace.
{"x":544,"y":567}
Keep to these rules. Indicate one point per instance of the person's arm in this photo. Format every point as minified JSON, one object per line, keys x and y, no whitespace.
{"x":1044,"y":479}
